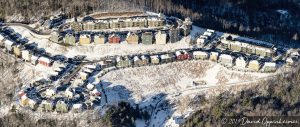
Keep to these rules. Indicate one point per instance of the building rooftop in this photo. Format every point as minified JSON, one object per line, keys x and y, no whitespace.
{"x":9,"y":42}
{"x":147,"y":33}
{"x":144,"y":57}
{"x":254,"y":62}
{"x":226,"y":56}
{"x":45,"y":59}
{"x":131,"y":34}
{"x":199,"y":53}
{"x":99,"y":36}
{"x":1,"y":37}
{"x":270,"y":64}
{"x":240,"y":59}
{"x":136,"y":58}
{"x":84,"y":36}
{"x":154,"y":57}
{"x":165,"y":56}
{"x":114,"y":35}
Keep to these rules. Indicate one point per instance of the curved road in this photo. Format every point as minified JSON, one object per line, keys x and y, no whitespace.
{"x":28,"y":27}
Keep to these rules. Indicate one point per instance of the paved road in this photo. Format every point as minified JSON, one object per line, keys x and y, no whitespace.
{"x":67,"y":80}
{"x":28,"y":27}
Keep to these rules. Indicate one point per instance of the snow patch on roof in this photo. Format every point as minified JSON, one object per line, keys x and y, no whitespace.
{"x":44,"y":59}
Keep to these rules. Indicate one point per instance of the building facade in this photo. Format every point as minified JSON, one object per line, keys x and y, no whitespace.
{"x":76,"y":26}
{"x":174,"y":35}
{"x":70,"y":39}
{"x":114,"y":39}
{"x":132,"y":38}
{"x":147,"y":38}
{"x":161,"y":38}
{"x":84,"y":39}
{"x":55,"y":37}
{"x":99,"y":39}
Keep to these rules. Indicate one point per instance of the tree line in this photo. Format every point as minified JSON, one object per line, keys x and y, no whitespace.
{"x":275,"y":97}
{"x":254,"y":18}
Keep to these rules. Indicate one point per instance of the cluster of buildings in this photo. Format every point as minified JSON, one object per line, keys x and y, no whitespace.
{"x":132,"y":38}
{"x":55,"y":20}
{"x":245,"y":46}
{"x":80,"y":94}
{"x":58,"y":105}
{"x":230,"y":61}
{"x":27,"y":53}
{"x":21,"y":49}
{"x":89,"y":31}
{"x":76,"y":96}
{"x":243,"y":64}
{"x":203,"y":39}
{"x":147,"y":38}
{"x":150,"y":59}
{"x":242,"y":54}
{"x":237,"y":44}
{"x":128,"y":22}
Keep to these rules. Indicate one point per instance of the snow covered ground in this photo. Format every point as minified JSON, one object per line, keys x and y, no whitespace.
{"x":169,"y":87}
{"x":174,"y":77}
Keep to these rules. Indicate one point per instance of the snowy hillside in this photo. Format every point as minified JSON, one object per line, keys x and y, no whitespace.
{"x":166,"y":90}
